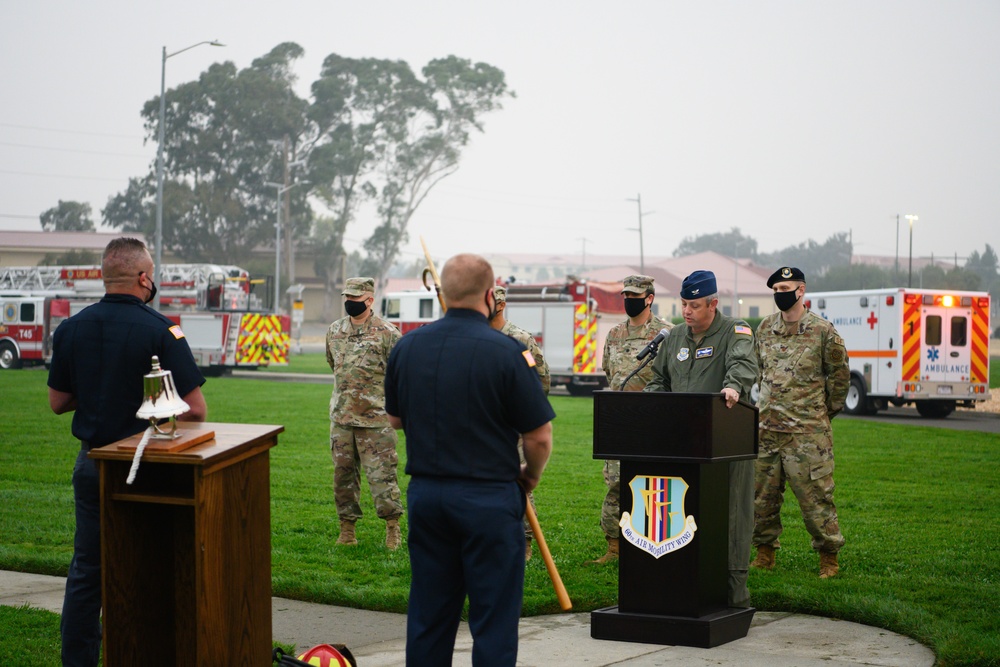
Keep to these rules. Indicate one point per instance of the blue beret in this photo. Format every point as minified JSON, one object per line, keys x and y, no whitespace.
{"x":699,"y":284}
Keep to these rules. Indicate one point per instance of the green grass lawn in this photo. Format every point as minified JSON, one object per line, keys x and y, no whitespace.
{"x":917,"y":506}
{"x":307,"y":362}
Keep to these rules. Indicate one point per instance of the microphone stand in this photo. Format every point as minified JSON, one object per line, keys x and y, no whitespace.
{"x":645,"y":362}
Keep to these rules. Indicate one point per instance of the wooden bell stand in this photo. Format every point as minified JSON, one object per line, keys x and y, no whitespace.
{"x":186,"y":548}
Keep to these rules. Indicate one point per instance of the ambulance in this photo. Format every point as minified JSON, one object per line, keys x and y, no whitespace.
{"x":224,"y":315}
{"x":562,"y":318}
{"x":929,"y":348}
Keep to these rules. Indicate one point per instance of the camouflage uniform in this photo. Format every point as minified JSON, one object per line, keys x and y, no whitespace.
{"x":360,"y":435}
{"x":527,"y":340}
{"x":621,"y":346}
{"x":541,"y":367}
{"x":805,"y":377}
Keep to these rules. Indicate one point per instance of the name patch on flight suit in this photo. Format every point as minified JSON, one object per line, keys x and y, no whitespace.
{"x":703,"y":352}
{"x":683,"y":354}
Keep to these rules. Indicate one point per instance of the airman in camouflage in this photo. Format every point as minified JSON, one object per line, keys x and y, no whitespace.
{"x":621,"y":346}
{"x":499,"y":321}
{"x":804,"y":381}
{"x":357,"y":349}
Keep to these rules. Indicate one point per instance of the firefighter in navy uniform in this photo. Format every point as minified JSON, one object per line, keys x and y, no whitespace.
{"x":462,"y":393}
{"x":99,"y":358}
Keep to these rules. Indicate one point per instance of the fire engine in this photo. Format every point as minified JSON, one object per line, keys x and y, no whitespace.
{"x":920,"y":346}
{"x":564,"y":319}
{"x":224,"y":314}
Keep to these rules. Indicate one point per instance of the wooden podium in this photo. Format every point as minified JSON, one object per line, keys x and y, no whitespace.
{"x":675,"y":450}
{"x":186,"y":550}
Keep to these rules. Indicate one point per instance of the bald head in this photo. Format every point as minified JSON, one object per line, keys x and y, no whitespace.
{"x":465,"y":280}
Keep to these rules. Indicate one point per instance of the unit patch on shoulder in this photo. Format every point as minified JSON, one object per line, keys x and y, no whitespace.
{"x":743,"y":329}
{"x":176,"y":331}
{"x":530,"y":359}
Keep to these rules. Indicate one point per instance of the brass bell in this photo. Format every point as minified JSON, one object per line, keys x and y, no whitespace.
{"x":160,"y":401}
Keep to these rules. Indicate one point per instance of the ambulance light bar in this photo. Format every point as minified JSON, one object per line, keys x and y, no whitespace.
{"x":946,"y":300}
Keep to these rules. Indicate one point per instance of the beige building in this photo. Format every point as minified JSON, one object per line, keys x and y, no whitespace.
{"x":743,"y":290}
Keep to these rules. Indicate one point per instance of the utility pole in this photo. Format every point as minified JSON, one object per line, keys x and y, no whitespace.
{"x":583,"y":263}
{"x":642,"y":255}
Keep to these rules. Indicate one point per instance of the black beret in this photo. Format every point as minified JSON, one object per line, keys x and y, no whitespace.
{"x":786,"y":273}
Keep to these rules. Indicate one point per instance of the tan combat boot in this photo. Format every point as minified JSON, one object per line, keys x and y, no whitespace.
{"x":612,"y":553}
{"x":828,"y":565}
{"x":347,"y":534}
{"x":765,"y":557}
{"x":527,"y":548}
{"x":393,"y":536}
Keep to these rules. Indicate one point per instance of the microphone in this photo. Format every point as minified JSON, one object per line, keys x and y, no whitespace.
{"x":653,"y":344}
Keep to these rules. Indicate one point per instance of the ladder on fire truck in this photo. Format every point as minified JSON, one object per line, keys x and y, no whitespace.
{"x":181,"y":284}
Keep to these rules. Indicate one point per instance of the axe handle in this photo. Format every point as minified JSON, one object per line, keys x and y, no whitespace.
{"x":550,"y":564}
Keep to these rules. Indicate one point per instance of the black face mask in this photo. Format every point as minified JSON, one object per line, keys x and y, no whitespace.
{"x":785,"y":300}
{"x":355,"y":308}
{"x":493,"y":311}
{"x":634,"y":306}
{"x":152,"y":291}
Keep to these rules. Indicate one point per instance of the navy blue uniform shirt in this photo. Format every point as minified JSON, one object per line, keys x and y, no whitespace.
{"x":100,"y":356}
{"x":463,"y":392}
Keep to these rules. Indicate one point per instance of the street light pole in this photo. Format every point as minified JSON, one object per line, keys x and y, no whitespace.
{"x":642,"y":256}
{"x":897,"y":248}
{"x":158,"y":235}
{"x":282,"y":189}
{"x":911,"y":218}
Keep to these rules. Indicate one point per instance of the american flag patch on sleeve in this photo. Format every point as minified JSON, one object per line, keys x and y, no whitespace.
{"x":527,"y":357}
{"x":743,"y":329}
{"x":176,"y":331}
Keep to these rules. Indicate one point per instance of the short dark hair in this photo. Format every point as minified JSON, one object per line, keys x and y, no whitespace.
{"x":123,"y":257}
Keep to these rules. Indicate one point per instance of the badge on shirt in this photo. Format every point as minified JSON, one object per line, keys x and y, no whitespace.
{"x":743,"y":329}
{"x":683,"y":354}
{"x":703,"y":352}
{"x":176,"y":331}
{"x":530,"y":359}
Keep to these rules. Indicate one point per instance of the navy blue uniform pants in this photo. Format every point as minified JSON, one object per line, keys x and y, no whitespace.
{"x":465,"y":538}
{"x":81,"y":614}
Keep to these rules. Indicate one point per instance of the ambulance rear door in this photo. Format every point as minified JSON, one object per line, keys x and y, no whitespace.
{"x":945,"y":351}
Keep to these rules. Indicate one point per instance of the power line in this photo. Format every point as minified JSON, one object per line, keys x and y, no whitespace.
{"x":70,"y":150}
{"x":53,"y":129}
{"x":77,"y":178}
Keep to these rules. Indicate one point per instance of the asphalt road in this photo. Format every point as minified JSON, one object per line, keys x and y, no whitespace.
{"x":959,"y":420}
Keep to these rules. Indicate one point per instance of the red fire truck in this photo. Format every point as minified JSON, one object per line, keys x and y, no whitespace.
{"x":225,"y":315}
{"x":563,"y":318}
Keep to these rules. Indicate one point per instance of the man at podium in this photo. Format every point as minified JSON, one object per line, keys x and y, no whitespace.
{"x":712,"y":353}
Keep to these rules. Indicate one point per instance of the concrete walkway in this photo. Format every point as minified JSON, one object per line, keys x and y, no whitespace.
{"x":378,"y":639}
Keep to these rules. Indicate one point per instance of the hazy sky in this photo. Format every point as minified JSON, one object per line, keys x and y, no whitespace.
{"x":790,"y":119}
